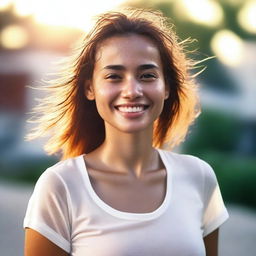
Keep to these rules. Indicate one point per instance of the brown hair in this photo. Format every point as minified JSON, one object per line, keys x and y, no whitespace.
{"x":74,"y":125}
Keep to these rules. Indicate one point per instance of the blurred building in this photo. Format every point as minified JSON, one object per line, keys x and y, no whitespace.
{"x":19,"y":70}
{"x":28,"y":53}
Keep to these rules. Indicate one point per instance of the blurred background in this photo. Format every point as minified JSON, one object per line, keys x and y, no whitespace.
{"x":35,"y":35}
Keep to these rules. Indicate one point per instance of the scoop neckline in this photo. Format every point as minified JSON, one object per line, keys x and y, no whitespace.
{"x":123,"y":214}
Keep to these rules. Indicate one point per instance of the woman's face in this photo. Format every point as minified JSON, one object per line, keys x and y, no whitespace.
{"x":128,"y":83}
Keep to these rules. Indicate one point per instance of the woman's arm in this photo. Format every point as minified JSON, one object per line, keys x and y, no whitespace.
{"x":38,"y":245}
{"x":211,"y":243}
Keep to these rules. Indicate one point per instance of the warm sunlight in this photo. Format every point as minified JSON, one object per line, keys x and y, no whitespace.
{"x":206,"y":12}
{"x":75,"y":13}
{"x":14,"y":37}
{"x":228,"y":47}
{"x":4,"y":4}
{"x":247,"y":17}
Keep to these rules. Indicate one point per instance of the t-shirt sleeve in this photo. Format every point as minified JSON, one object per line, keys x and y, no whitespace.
{"x":48,"y":212}
{"x":215,"y":212}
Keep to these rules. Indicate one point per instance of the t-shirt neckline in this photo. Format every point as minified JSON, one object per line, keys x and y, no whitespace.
{"x":122,"y":214}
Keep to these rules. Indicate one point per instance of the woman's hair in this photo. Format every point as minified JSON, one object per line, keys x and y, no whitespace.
{"x":72,"y":121}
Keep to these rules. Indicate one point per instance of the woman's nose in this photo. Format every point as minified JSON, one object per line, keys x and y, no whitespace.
{"x":132,"y":89}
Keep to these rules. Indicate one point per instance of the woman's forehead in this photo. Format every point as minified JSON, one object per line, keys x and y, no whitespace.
{"x":125,"y":49}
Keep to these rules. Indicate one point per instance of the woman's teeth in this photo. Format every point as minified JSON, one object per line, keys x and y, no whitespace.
{"x":131,"y":109}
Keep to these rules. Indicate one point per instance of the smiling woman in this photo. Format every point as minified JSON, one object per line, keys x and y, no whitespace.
{"x":116,"y":192}
{"x":66,"y":105}
{"x":128,"y":77}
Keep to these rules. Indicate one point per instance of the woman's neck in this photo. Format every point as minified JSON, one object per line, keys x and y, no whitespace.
{"x":130,"y":153}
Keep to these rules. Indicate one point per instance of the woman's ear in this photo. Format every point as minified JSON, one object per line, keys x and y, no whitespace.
{"x":88,"y":91}
{"x":167,"y":92}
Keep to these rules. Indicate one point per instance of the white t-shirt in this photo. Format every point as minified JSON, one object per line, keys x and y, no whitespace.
{"x":65,"y":209}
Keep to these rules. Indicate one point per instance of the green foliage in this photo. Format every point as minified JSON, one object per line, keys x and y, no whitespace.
{"x":236,"y":175}
{"x":214,"y":138}
{"x":27,"y":170}
{"x":213,"y":131}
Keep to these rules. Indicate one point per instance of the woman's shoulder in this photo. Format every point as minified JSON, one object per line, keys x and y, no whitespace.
{"x":188,"y":163}
{"x":183,"y":158}
{"x":65,"y":166}
{"x":60,"y":174}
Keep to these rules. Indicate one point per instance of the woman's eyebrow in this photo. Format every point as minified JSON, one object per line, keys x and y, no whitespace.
{"x":141,"y":67}
{"x":148,"y":66}
{"x":115,"y":67}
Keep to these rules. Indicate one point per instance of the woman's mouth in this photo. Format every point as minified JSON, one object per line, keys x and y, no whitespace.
{"x":131,"y":109}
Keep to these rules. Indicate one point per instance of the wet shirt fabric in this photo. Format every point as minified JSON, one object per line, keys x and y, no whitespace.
{"x":65,"y":209}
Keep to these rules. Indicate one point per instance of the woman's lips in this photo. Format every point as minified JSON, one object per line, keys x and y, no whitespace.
{"x":131,"y":107}
{"x":134,"y":110}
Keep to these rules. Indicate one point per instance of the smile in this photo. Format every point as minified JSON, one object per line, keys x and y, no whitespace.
{"x":131,"y":109}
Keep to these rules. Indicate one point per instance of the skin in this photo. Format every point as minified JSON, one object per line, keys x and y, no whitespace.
{"x":128,"y":140}
{"x":38,"y":245}
{"x":128,"y":72}
{"x":211,"y":243}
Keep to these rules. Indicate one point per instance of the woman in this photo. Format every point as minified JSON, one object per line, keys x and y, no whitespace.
{"x":116,"y":192}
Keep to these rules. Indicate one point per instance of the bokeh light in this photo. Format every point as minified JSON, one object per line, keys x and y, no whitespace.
{"x":25,"y":7}
{"x":75,"y":14}
{"x":204,"y":12}
{"x":4,"y":4}
{"x":14,"y":37}
{"x":228,"y":47}
{"x":247,"y":17}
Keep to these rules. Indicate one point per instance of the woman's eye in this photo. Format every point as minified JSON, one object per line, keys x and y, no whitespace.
{"x":113,"y":77}
{"x":148,"y":76}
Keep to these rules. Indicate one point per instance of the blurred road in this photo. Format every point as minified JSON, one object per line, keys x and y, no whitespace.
{"x":237,"y":236}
